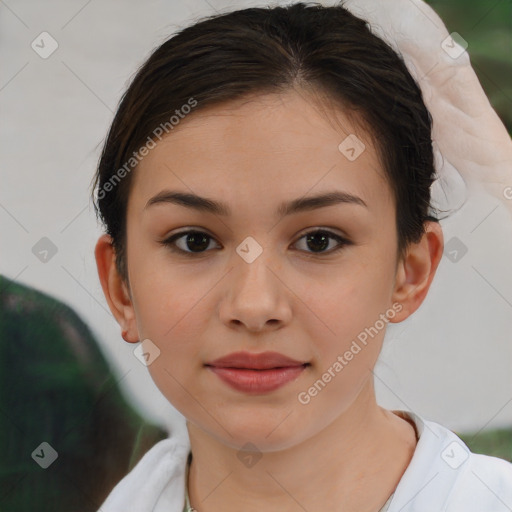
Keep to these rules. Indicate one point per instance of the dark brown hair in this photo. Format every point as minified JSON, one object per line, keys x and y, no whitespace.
{"x":303,"y":46}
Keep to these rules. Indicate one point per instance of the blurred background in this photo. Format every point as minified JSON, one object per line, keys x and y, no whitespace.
{"x":450,"y":362}
{"x":487,"y":27}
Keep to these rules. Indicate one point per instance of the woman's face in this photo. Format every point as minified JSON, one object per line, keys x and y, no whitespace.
{"x":252,"y":281}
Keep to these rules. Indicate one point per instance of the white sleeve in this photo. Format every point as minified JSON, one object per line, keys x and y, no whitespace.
{"x":155,"y":484}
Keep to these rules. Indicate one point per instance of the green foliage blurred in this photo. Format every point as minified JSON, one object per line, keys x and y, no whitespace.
{"x":487,"y":28}
{"x":57,"y":387}
{"x":497,"y":443}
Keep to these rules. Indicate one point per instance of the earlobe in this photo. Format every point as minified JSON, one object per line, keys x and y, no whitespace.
{"x":416,"y":271}
{"x":114,"y":289}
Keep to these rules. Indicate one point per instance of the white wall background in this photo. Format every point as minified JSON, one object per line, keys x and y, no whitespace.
{"x":450,"y":362}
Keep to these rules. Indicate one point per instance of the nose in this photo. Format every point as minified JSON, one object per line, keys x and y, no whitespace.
{"x":256,"y":297}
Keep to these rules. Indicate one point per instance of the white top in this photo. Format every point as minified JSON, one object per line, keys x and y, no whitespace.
{"x":443,"y":476}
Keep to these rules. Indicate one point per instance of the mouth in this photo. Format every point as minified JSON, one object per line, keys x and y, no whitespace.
{"x":257,"y":373}
{"x":255,"y":361}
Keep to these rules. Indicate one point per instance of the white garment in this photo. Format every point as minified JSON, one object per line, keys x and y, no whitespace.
{"x":443,"y":476}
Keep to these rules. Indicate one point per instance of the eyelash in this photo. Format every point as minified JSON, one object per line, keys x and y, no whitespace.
{"x":170,"y":242}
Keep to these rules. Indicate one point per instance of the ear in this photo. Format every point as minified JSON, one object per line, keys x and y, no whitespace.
{"x":115,"y":290}
{"x":416,"y":271}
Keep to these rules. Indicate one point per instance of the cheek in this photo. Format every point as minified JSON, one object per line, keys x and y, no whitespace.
{"x":166,"y":295}
{"x":176,"y":325}
{"x":348,"y":300}
{"x":349,"y":322}
{"x":345,"y":355}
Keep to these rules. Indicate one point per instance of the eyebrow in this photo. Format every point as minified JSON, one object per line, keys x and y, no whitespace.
{"x":302,"y":204}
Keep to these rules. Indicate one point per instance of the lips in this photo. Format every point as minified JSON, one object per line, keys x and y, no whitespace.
{"x":261,"y":361}
{"x":256,"y":373}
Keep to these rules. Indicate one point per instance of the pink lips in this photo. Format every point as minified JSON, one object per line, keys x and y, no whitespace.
{"x":256,"y":373}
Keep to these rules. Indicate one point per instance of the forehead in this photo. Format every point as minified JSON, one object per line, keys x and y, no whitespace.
{"x":263,"y":149}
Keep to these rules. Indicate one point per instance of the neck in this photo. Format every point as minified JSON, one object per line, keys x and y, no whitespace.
{"x":354,"y":463}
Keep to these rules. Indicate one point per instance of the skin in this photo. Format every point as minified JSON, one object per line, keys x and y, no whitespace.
{"x":296,"y":298}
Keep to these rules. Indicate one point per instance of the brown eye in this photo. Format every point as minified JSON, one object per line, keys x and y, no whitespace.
{"x":318,"y":241}
{"x":194,"y":242}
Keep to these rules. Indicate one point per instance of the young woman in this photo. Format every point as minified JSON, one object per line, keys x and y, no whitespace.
{"x":265,"y":188}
